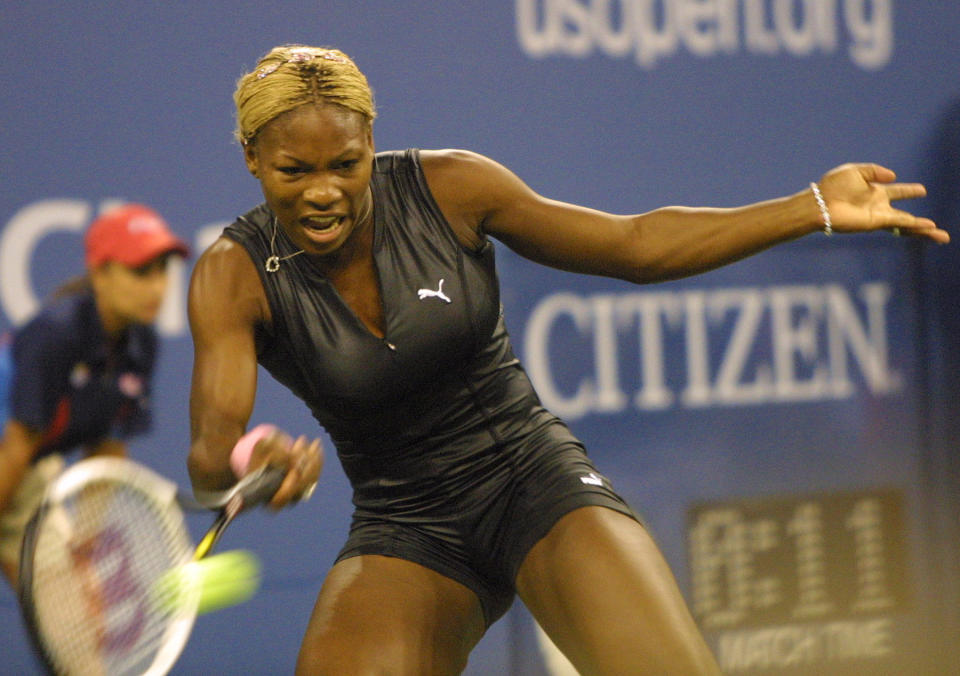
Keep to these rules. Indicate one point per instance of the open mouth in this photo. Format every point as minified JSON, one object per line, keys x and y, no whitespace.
{"x":322,"y":224}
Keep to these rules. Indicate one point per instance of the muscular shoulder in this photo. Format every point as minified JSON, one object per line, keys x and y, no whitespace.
{"x":452,"y":158}
{"x":462,"y":170}
{"x":468,"y":186}
{"x":225,"y":283}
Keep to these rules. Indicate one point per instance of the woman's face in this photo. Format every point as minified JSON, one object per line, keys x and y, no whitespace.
{"x":314,"y":164}
{"x":126,"y":295}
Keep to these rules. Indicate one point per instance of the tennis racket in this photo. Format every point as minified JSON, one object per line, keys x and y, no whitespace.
{"x":106,"y":532}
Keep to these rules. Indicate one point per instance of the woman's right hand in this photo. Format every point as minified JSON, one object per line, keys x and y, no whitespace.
{"x":302,"y":459}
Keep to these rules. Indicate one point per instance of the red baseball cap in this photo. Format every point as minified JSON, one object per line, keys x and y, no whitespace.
{"x":133,"y":235}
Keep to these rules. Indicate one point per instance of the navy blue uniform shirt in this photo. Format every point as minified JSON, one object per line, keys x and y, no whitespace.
{"x":75,"y":386}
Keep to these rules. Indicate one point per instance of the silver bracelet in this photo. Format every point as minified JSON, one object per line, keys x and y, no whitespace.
{"x":824,"y":212}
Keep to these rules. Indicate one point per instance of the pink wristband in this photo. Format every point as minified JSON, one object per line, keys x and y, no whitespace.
{"x":240,"y":455}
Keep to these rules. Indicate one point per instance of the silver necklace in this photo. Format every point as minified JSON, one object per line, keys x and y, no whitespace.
{"x":272,"y":264}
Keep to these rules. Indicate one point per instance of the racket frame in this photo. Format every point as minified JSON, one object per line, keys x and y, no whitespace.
{"x":87,"y":472}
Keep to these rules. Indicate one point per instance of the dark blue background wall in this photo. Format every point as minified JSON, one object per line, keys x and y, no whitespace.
{"x":786,"y":424}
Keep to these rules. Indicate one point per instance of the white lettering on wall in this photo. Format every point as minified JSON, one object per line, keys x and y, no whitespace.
{"x":740,"y":346}
{"x":22,"y":239}
{"x":653,"y":30}
{"x":801,"y":645}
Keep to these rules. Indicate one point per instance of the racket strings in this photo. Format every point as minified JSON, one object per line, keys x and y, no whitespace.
{"x":98,"y":551}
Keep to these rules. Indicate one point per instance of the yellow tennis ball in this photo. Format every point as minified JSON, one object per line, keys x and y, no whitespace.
{"x":217,"y":581}
{"x":227,"y":579}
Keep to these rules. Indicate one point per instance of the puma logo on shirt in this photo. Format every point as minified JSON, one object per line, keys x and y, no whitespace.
{"x":430,"y":293}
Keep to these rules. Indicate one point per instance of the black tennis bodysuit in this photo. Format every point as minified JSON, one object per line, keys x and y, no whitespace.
{"x":454,"y":462}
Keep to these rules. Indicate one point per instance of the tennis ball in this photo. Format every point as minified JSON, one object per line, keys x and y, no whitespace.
{"x":216,"y":582}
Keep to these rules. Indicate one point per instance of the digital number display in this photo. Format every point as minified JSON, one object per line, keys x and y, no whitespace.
{"x":784,"y":559}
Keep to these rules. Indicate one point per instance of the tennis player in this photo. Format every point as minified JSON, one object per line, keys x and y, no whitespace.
{"x":77,"y":376}
{"x":366,"y":284}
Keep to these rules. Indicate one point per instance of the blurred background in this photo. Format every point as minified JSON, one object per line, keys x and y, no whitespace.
{"x":787,"y":425}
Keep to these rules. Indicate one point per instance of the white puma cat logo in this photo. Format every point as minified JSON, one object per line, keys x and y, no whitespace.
{"x":430,"y":293}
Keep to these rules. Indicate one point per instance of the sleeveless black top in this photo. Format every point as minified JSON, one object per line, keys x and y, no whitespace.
{"x":442,"y":391}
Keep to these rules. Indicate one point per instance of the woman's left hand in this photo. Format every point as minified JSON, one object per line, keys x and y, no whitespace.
{"x":859,"y":196}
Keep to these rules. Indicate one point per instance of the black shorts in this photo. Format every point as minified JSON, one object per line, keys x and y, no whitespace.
{"x":498,"y":519}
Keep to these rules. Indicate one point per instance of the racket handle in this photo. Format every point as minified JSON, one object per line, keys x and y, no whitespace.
{"x":266,"y":482}
{"x":256,"y":487}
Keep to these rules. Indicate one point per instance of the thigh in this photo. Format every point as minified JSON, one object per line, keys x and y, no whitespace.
{"x":384,"y":615}
{"x":600,"y":588}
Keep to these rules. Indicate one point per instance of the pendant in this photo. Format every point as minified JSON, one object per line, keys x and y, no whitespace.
{"x":272,"y":264}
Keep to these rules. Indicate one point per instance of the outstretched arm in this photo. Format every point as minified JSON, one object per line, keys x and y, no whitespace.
{"x":226,"y":302}
{"x":481,"y":196}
